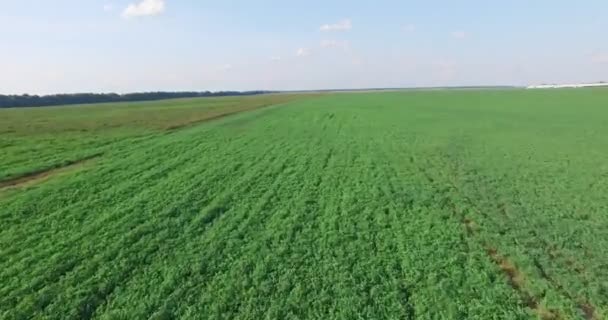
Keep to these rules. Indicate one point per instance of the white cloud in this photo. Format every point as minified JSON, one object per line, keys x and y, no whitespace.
{"x":144,"y":8}
{"x":342,"y":44}
{"x":303,"y":52}
{"x":343,"y":25}
{"x":227,"y":67}
{"x":599,"y":57}
{"x":459,"y":34}
{"x":409,"y":28}
{"x":275,"y":58}
{"x":445,"y":69}
{"x":108,"y":7}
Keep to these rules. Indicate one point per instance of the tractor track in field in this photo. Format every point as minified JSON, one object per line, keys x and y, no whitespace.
{"x":39,"y":176}
{"x":218,"y":116}
{"x":515,"y":277}
{"x":221,"y":115}
{"x":584,"y":306}
{"x":517,"y":280}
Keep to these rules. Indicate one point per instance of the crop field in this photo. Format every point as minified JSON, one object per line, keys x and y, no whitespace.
{"x":453,"y":204}
{"x":38,"y":139}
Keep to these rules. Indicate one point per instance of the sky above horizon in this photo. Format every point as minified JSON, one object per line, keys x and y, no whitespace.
{"x":177,"y":45}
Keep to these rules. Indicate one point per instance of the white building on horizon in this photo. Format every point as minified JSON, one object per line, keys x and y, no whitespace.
{"x":577,"y":85}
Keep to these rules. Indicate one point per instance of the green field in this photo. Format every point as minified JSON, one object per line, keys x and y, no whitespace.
{"x":455,"y":204}
{"x":38,"y":139}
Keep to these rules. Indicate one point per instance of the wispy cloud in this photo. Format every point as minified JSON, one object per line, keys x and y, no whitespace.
{"x":108,"y":7}
{"x":144,"y":8}
{"x":275,"y":58}
{"x":343,"y":25}
{"x":408,"y":28}
{"x":599,"y":58}
{"x":303,"y":52}
{"x":459,"y":34}
{"x":227,"y":67}
{"x":445,"y":69}
{"x":342,"y":44}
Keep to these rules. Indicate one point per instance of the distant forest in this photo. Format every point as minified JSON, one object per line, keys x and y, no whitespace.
{"x":26,"y":100}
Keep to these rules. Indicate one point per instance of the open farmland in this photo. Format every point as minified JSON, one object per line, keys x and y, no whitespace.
{"x":396,"y":205}
{"x":38,"y":139}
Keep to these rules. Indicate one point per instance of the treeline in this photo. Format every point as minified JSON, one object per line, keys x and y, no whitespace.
{"x":26,"y":100}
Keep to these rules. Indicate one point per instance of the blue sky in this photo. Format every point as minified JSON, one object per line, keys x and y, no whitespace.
{"x":141,"y":45}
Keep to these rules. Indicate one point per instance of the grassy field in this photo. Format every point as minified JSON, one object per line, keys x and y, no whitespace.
{"x":397,"y":205}
{"x":38,"y":139}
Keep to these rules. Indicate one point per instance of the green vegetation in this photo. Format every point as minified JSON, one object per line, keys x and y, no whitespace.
{"x":26,"y":100}
{"x":402,"y":205}
{"x":38,"y":139}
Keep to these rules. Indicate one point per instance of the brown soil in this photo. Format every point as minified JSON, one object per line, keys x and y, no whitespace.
{"x":588,"y":311}
{"x":205,"y":119}
{"x":39,"y":176}
{"x":517,"y":281}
